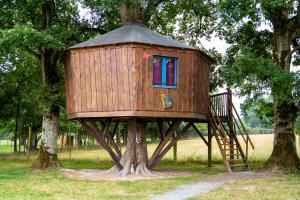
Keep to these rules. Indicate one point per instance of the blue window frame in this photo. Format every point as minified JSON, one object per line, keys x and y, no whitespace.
{"x":164,"y":72}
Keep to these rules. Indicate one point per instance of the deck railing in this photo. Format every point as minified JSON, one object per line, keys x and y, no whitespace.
{"x":224,"y":108}
{"x":220,"y":103}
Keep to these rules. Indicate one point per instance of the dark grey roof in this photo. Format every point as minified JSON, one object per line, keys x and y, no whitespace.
{"x":132,"y":33}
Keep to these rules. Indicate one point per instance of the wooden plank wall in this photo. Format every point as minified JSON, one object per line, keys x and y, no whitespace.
{"x":100,"y":79}
{"x":191,"y":94}
{"x":118,"y":78}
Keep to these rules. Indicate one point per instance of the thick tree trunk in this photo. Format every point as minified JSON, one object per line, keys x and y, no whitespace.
{"x":135,"y":158}
{"x":133,"y":11}
{"x":48,"y":150}
{"x":284,"y":150}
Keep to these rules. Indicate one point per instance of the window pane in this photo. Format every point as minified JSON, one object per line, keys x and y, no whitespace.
{"x":157,"y":71}
{"x":170,"y":72}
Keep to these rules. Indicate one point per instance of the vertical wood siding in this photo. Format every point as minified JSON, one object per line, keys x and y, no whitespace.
{"x":191,"y":94}
{"x":118,"y":78}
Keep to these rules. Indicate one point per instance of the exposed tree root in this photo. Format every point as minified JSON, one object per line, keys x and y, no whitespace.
{"x":46,"y":160}
{"x":284,"y":154}
{"x":126,"y":168}
{"x":114,"y":170}
{"x":48,"y":150}
{"x":142,"y":169}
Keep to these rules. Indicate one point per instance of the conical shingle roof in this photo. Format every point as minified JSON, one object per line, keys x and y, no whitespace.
{"x":132,"y":33}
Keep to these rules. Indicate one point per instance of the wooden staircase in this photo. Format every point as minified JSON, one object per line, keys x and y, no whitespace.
{"x":227,"y":125}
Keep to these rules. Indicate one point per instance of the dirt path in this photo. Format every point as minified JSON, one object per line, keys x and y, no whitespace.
{"x":97,"y":175}
{"x":213,"y":182}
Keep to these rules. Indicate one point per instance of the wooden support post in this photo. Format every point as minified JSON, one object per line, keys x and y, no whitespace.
{"x":175,"y":148}
{"x":209,"y":144}
{"x":159,"y":148}
{"x":109,"y":137}
{"x":118,"y":138}
{"x":70,"y":143}
{"x":62,"y":142}
{"x":115,"y":129}
{"x":161,"y":130}
{"x":29,"y":142}
{"x":171,"y":144}
{"x":200,"y":134}
{"x":231,"y":128}
{"x":93,"y":130}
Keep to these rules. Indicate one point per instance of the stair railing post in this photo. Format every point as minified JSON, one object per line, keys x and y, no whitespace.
{"x":247,"y":139}
{"x":230,"y":123}
{"x":209,"y":143}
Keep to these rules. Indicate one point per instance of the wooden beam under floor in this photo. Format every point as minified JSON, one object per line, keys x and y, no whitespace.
{"x":107,"y":134}
{"x":94,"y":131}
{"x":170,"y":145}
{"x":200,"y":134}
{"x":175,"y":124}
{"x":209,"y":138}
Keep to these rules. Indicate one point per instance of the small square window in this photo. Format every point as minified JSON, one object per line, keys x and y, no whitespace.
{"x":164,"y":72}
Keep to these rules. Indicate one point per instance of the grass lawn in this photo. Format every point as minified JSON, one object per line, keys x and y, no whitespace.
{"x":6,"y":146}
{"x":18,"y":181}
{"x":284,"y":187}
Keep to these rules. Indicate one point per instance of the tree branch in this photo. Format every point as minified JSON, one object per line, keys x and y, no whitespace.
{"x":293,"y":51}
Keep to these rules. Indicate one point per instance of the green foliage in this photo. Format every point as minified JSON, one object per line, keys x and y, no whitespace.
{"x":69,"y":126}
{"x":249,"y":64}
{"x":33,"y":37}
{"x":20,"y":93}
{"x":259,"y":114}
{"x":257,"y":76}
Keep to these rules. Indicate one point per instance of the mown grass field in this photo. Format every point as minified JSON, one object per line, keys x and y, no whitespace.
{"x":18,"y":181}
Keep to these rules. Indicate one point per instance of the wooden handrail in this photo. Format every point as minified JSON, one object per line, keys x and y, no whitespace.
{"x":222,"y":132}
{"x":222,"y":106}
{"x":219,"y":102}
{"x":243,"y":127}
{"x":218,"y":94}
{"x":219,"y":122}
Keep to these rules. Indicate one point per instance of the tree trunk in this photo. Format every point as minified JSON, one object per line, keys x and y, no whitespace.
{"x":133,"y":11}
{"x":135,"y":158}
{"x":284,"y":150}
{"x":17,"y":122}
{"x":48,"y":150}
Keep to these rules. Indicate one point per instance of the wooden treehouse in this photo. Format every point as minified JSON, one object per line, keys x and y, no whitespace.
{"x":136,"y":75}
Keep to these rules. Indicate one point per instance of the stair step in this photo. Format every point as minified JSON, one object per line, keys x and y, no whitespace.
{"x":224,"y":144}
{"x":233,"y":155}
{"x":236,"y":165}
{"x":235,"y":160}
{"x":231,"y":149}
